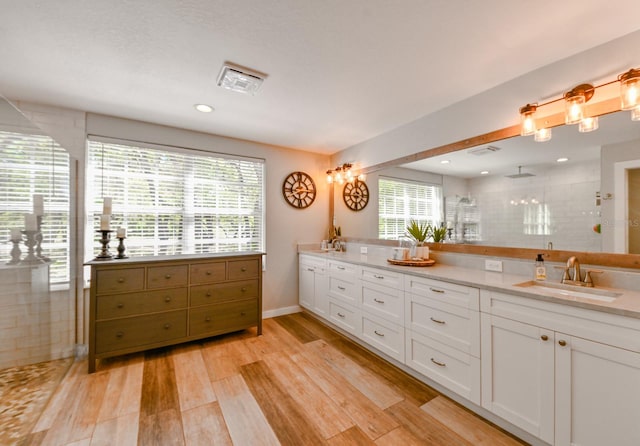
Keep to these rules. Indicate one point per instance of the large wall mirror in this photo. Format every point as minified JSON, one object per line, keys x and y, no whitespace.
{"x":577,"y":192}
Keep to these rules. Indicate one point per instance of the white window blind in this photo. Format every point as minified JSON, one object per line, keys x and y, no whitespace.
{"x":400,"y":201}
{"x":35,"y":164}
{"x":175,"y":201}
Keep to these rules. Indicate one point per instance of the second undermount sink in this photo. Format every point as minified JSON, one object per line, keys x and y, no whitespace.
{"x":568,"y":291}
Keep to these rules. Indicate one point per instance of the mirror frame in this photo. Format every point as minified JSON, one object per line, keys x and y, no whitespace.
{"x":591,"y":258}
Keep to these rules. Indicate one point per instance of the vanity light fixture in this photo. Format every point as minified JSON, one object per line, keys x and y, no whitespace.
{"x":630,"y":89}
{"x":574,"y":102}
{"x":343,"y":173}
{"x":542,"y":135}
{"x":588,"y":124}
{"x":528,"y":120}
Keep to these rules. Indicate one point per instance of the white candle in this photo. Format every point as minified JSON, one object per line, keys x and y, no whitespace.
{"x":121,"y":233}
{"x":38,"y":204}
{"x":105,"y":220}
{"x":30,"y":222}
{"x":106,"y":206}
{"x":16,"y":234}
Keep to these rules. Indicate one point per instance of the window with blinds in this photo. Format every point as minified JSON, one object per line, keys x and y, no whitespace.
{"x":400,"y":201}
{"x":35,"y":164}
{"x":175,"y":201}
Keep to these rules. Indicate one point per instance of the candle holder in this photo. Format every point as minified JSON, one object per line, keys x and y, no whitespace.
{"x":30,"y":242}
{"x":15,"y":252}
{"x":104,"y":253}
{"x":39,"y":238}
{"x":121,"y":249}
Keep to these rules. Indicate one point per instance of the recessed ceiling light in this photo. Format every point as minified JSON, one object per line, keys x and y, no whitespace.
{"x":240,"y":79}
{"x":445,"y":161}
{"x":562,"y":160}
{"x":204,"y":108}
{"x":484,"y":172}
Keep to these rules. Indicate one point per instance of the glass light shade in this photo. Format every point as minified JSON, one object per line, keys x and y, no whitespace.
{"x":527,"y":120}
{"x":362,"y":177}
{"x":588,"y":125}
{"x":574,"y":109}
{"x":635,"y":114}
{"x":542,"y":135}
{"x":630,"y":90}
{"x":329,"y":176}
{"x":349,"y":176}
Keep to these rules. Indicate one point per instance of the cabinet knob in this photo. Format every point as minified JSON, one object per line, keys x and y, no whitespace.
{"x":562,"y":342}
{"x":243,"y":289}
{"x":242,"y":313}
{"x":437,"y":321}
{"x":544,"y":337}
{"x":167,"y":299}
{"x":119,"y":334}
{"x":243,"y":269}
{"x":207,"y":319}
{"x":120,"y":305}
{"x":167,"y":276}
{"x":167,"y":326}
{"x":208,"y":273}
{"x":438,"y":363}
{"x":208,"y":294}
{"x":120,"y":279}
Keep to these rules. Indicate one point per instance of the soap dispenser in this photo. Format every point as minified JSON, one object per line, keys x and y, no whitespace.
{"x":541,"y":271}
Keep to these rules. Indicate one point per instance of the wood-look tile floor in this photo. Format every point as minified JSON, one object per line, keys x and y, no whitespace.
{"x":300,"y":383}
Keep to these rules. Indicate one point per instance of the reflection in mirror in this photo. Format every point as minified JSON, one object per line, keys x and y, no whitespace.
{"x":520,"y":193}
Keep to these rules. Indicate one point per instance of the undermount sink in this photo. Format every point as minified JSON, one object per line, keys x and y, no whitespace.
{"x":568,"y":291}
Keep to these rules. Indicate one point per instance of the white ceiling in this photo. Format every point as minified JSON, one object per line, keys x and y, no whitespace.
{"x":339,"y":71}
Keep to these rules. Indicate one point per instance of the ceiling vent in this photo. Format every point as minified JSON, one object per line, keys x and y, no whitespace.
{"x":240,"y":79}
{"x":484,"y":150}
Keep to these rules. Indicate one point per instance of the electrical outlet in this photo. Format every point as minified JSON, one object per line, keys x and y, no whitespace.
{"x":493,"y":265}
{"x":363,"y":250}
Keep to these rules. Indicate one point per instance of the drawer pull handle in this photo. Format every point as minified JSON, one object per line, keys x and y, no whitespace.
{"x":121,"y":280}
{"x":341,"y":315}
{"x":341,"y":288}
{"x":377,"y":276}
{"x":562,"y":342}
{"x":243,"y":269}
{"x":544,"y":337}
{"x":441,"y":364}
{"x":378,"y":301}
{"x":437,"y":321}
{"x":379,"y":334}
{"x":435,"y":290}
{"x":120,"y":305}
{"x":208,"y":294}
{"x":167,"y":326}
{"x":242,"y":313}
{"x":207,"y":319}
{"x":167,"y":276}
{"x":119,"y":334}
{"x":208,"y":273}
{"x":311,"y":269}
{"x":243,"y":289}
{"x":167,"y":299}
{"x":341,"y":268}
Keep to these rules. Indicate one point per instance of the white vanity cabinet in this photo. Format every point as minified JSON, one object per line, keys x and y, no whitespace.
{"x":567,"y":375}
{"x":442,"y":323}
{"x":312,"y":282}
{"x":344,"y":296}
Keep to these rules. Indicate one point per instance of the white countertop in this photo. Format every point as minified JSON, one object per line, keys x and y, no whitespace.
{"x":627,"y":304}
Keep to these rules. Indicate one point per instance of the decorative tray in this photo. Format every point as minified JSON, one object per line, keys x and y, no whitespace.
{"x":412,"y":262}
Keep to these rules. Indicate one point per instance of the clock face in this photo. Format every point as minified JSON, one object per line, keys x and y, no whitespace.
{"x":356,"y":195}
{"x":299,"y":190}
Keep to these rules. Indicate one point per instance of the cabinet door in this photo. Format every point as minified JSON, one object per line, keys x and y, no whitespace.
{"x":320,"y":298}
{"x":597,"y":393}
{"x":306,"y":286}
{"x":518,"y":374}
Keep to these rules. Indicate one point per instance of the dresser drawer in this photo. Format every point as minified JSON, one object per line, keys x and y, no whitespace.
{"x":121,"y":305}
{"x":383,"y":301}
{"x":225,"y":317}
{"x":383,"y":277}
{"x":167,"y":276}
{"x":209,"y":272}
{"x":221,"y":292}
{"x":337,"y":268}
{"x":456,"y":326}
{"x":454,"y":294}
{"x":383,"y":335}
{"x":243,"y":269}
{"x":121,"y":334}
{"x":457,"y":371}
{"x":119,"y":280}
{"x":345,"y":289}
{"x":345,"y":317}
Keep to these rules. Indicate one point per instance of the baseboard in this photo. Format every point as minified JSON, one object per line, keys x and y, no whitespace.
{"x":281,"y":311}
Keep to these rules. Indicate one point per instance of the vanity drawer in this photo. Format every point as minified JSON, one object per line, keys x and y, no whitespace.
{"x":229,"y":316}
{"x":388,"y":303}
{"x":346,"y":290}
{"x":167,"y":276}
{"x":383,"y":277}
{"x":455,"y":326}
{"x":459,"y":295}
{"x":383,"y":335}
{"x":243,"y":269}
{"x":209,"y":272}
{"x":119,"y":280}
{"x":338,"y":268}
{"x":345,"y":317}
{"x":457,"y":371}
{"x":121,"y":334}
{"x":121,"y":305}
{"x":221,"y":292}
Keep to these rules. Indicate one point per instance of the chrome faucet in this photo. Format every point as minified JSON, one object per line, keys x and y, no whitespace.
{"x":574,"y":265}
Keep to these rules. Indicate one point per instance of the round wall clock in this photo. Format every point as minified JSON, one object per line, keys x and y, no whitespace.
{"x":299,"y":190}
{"x":356,"y":195}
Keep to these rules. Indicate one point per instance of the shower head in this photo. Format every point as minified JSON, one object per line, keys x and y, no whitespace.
{"x":520,"y":174}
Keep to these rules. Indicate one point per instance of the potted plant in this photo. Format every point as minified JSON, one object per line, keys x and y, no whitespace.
{"x":419,"y":232}
{"x":438,"y":233}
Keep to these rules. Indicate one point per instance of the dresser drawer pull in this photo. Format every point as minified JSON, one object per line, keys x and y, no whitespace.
{"x":208,"y":294}
{"x":379,"y":334}
{"x":120,"y":305}
{"x":208,"y":273}
{"x":562,"y":343}
{"x":544,"y":337}
{"x":440,"y":364}
{"x":120,"y":279}
{"x":243,"y":269}
{"x":437,"y":321}
{"x":167,"y":299}
{"x":119,"y":334}
{"x":377,"y":276}
{"x":341,"y":315}
{"x":167,"y":276}
{"x":167,"y":326}
{"x":207,"y":319}
{"x":242,"y":313}
{"x":311,"y":269}
{"x":341,"y":268}
{"x":341,"y":288}
{"x":435,"y":290}
{"x":243,"y":289}
{"x":378,"y":301}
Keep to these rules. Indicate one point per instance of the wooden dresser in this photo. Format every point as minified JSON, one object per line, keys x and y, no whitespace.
{"x":148,"y":302}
